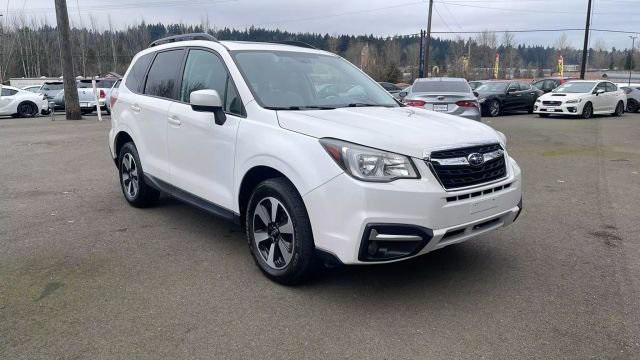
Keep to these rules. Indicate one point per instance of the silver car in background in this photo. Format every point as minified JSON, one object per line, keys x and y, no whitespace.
{"x":451,"y":96}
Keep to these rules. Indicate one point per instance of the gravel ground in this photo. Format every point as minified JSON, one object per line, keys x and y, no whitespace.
{"x":83,"y":275}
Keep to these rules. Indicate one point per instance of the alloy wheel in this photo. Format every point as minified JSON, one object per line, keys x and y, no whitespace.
{"x":494,"y":108}
{"x":129,"y":170}
{"x":273,"y":233}
{"x":587,"y":112}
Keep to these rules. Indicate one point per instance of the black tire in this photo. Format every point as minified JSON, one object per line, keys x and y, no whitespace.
{"x":494,"y":108}
{"x":27,"y":109}
{"x":530,"y":110}
{"x":86,"y":112}
{"x":543,"y":115}
{"x":587,"y":111}
{"x":619,"y":109}
{"x":632,"y":106}
{"x":301,"y":257}
{"x":144,"y":195}
{"x":107,"y":110}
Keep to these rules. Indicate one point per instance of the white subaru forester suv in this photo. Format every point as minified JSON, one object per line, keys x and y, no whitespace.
{"x":311,"y":156}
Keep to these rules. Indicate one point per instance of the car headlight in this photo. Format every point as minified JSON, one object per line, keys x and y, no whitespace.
{"x":368,"y":164}
{"x":503,"y":139}
{"x":573,"y":101}
{"x":538,"y":100}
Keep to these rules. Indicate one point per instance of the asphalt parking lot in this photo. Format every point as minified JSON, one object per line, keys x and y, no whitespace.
{"x":85,"y":276}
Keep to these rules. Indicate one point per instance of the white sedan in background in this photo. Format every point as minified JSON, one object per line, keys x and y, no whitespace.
{"x":582,"y":98}
{"x":21,"y":103}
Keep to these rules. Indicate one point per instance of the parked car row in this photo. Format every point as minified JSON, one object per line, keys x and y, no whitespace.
{"x":558,"y":95}
{"x":53,"y":91}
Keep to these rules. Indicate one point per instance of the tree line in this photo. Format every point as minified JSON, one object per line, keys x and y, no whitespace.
{"x":32,"y":49}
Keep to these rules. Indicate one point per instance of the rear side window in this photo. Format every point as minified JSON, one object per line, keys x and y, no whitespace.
{"x":525,"y":87}
{"x":8,"y":92}
{"x":163,"y":75}
{"x":611,"y":87}
{"x":135,"y":79}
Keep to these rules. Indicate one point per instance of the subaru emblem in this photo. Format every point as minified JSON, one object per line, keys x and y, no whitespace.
{"x":475,"y":159}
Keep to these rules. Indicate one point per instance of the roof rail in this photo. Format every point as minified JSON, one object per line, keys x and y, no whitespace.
{"x":295,"y":43}
{"x":183,"y":37}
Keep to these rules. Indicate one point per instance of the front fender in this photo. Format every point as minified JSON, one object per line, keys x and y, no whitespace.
{"x":299,"y":157}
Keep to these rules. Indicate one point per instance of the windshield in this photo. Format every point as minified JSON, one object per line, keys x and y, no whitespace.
{"x":575,"y":87}
{"x":438,"y":86}
{"x":492,"y":87}
{"x":296,"y":81}
{"x":53,"y":86}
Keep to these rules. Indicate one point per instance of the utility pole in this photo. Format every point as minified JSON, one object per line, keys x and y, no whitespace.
{"x":428,"y":41}
{"x":583,"y":67}
{"x":71,"y":102}
{"x":421,"y":55}
{"x":633,"y":46}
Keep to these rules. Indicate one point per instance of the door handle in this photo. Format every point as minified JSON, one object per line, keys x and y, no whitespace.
{"x":173,"y":120}
{"x":135,"y":108}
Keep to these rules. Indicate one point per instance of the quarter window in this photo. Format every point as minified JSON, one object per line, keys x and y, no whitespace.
{"x":162,"y":78}
{"x":611,"y":87}
{"x":8,"y":92}
{"x":205,"y":70}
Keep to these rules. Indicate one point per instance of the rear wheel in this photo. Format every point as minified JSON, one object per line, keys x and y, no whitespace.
{"x":619,"y":109}
{"x":279,"y":232}
{"x":134,"y":188}
{"x":27,"y":110}
{"x":493,"y":108}
{"x":587,"y":111}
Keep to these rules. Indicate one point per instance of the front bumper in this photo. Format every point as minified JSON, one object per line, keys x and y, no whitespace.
{"x":563,"y":109}
{"x":344,"y":210}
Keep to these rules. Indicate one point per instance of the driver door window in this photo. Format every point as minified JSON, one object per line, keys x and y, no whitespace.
{"x":205,"y":70}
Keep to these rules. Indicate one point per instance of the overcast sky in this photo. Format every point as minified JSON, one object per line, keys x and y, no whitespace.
{"x":378,"y":17}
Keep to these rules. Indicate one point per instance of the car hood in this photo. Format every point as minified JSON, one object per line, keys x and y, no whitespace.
{"x":561,"y":97}
{"x":408,"y":131}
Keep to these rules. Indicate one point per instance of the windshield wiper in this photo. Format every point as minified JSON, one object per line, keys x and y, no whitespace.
{"x":306,"y":107}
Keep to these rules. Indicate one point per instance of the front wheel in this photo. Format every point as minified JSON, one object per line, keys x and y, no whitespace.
{"x":279,"y":232}
{"x":632,"y":106}
{"x":587,"y":111}
{"x":543,"y":115}
{"x":619,"y":109}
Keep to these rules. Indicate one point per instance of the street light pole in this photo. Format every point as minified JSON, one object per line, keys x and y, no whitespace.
{"x":633,"y":46}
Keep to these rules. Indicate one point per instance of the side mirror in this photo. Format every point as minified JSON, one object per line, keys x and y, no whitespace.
{"x":208,"y":101}
{"x":403,"y":94}
{"x":599,"y":91}
{"x":476,"y":94}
